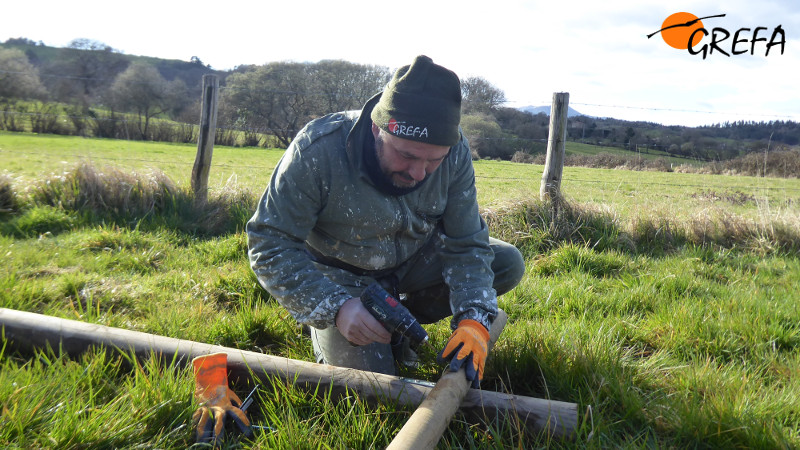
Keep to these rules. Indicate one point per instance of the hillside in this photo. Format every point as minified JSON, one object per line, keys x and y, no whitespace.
{"x":94,"y":69}
{"x":717,"y":142}
{"x":82,"y":75}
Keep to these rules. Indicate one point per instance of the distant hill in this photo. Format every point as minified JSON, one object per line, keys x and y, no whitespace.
{"x":546,"y":110}
{"x":97,"y":69}
{"x":83,"y":75}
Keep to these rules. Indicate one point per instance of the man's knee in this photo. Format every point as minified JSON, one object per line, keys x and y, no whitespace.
{"x":330,"y":347}
{"x":508,"y":266}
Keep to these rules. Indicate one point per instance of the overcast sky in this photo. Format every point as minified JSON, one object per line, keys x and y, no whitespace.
{"x":597,"y":51}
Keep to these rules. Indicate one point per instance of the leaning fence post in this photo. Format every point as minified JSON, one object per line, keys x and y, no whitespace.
{"x":205,"y":139}
{"x":550,"y":189}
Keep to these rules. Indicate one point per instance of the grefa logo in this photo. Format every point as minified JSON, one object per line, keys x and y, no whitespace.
{"x":403,"y":130}
{"x":685,"y":31}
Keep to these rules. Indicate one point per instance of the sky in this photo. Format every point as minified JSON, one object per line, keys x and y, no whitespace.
{"x":596,"y":51}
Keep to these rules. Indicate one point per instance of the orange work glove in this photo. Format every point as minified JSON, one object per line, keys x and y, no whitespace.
{"x":216,"y":400}
{"x":468,"y":347}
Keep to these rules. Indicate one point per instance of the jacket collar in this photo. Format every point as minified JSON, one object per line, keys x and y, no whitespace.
{"x":357,"y":136}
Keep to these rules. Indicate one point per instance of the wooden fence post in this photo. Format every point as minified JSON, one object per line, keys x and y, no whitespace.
{"x":550,"y":189}
{"x":205,"y":139}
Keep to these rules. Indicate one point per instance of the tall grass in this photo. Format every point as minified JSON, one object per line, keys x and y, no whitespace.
{"x":99,"y":400}
{"x":537,"y":226}
{"x":784,"y":162}
{"x":88,"y":194}
{"x":8,"y":198}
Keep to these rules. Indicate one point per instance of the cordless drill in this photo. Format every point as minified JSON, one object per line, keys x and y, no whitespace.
{"x":392,"y":315}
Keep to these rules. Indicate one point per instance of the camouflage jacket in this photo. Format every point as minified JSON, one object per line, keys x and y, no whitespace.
{"x":320,"y":195}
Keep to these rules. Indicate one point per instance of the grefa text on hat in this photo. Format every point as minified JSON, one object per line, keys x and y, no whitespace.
{"x":401,"y":129}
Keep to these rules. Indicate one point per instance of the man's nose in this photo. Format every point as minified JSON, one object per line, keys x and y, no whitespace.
{"x":417,"y":171}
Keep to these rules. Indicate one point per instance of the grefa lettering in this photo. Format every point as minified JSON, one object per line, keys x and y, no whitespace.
{"x":718,"y":35}
{"x":410,"y":130}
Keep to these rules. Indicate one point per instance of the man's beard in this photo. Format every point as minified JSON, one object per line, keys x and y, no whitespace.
{"x":408,"y":181}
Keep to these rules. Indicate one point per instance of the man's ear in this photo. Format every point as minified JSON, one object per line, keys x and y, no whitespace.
{"x":375,"y":131}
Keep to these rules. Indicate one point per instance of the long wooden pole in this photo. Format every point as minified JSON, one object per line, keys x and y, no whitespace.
{"x":26,"y":331}
{"x":205,"y":139}
{"x":550,"y":189}
{"x":425,"y":427}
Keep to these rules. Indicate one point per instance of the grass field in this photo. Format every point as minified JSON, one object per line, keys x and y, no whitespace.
{"x":664,"y":333}
{"x":624,"y":192}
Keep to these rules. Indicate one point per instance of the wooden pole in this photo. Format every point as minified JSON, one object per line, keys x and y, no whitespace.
{"x":550,"y":189}
{"x":425,"y":427}
{"x":26,"y":331}
{"x":205,"y":139}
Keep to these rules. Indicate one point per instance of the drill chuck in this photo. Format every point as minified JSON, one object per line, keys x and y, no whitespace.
{"x":393,"y":315}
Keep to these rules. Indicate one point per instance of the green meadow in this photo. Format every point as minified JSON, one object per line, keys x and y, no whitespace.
{"x":624,"y":192}
{"x":663,"y":304}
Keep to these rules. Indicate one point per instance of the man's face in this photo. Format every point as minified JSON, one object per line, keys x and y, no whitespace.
{"x":406,"y":162}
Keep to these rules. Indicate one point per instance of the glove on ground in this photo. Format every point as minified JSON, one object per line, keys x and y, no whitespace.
{"x":217,"y":401}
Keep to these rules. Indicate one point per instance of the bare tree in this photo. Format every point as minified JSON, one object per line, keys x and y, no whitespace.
{"x":142,"y":90}
{"x":279,"y":98}
{"x":90,"y":69}
{"x":345,"y":85}
{"x":275,"y":98}
{"x":480,"y":96}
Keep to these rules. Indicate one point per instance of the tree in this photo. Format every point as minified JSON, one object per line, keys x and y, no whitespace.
{"x":486,"y":138}
{"x":480,"y":96}
{"x":18,"y":77}
{"x":346,"y":85}
{"x":629,"y":134}
{"x":275,"y":98}
{"x":142,"y":90}
{"x":20,"y":41}
{"x":280,"y":97}
{"x":90,"y":68}
{"x":523,"y":124}
{"x":89,"y":44}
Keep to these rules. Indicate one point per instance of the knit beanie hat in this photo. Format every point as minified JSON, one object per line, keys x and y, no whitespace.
{"x":422,"y":102}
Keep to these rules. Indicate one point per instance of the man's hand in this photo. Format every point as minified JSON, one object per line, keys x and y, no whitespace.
{"x":468,"y":347}
{"x":358,"y":326}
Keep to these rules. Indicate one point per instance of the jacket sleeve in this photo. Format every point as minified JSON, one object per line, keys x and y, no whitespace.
{"x":465,"y":246}
{"x":276,"y":234}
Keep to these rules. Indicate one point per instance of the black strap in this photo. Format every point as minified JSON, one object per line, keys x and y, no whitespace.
{"x":316,"y":256}
{"x":386,"y":277}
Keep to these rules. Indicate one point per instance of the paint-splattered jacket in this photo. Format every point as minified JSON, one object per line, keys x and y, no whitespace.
{"x":321,"y":196}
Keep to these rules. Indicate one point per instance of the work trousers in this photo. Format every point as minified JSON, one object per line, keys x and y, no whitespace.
{"x":426,"y":297}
